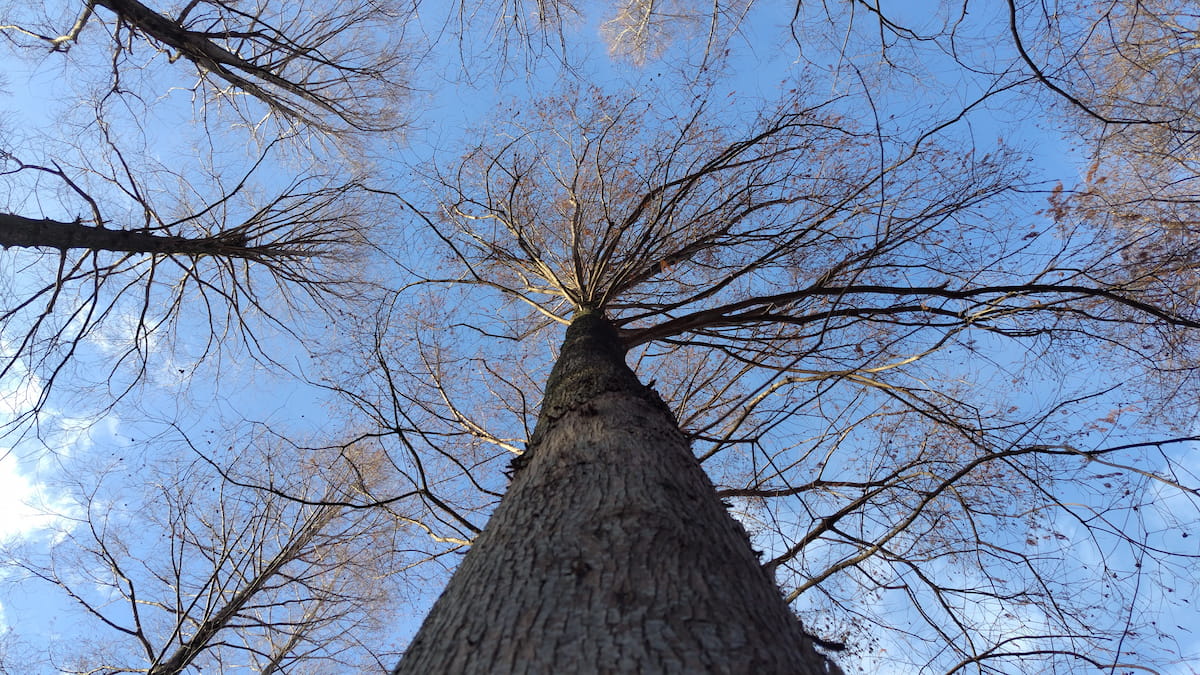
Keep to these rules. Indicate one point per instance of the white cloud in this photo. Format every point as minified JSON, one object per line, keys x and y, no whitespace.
{"x":18,"y":395}
{"x":27,"y":505}
{"x":123,"y":332}
{"x":23,"y":502}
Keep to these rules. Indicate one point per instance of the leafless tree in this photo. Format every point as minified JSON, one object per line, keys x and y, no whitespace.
{"x":323,"y":66}
{"x":176,"y":567}
{"x":948,"y":401}
{"x":1125,"y":78}
{"x":869,"y":358}
{"x":117,"y":232}
{"x":229,"y":268}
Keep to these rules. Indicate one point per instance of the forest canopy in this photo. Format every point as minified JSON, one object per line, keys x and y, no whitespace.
{"x":284,"y":286}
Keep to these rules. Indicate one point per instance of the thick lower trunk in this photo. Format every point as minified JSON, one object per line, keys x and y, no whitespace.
{"x":29,"y":233}
{"x":611,"y":552}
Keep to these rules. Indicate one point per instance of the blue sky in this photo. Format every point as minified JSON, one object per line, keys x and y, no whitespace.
{"x":214,"y":394}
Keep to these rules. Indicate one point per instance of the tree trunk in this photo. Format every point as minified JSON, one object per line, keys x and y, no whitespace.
{"x":611,"y":552}
{"x":29,"y":233}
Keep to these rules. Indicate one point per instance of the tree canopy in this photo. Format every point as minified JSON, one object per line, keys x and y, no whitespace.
{"x":284,"y":284}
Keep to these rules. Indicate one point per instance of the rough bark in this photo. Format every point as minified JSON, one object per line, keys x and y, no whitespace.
{"x":611,"y":552}
{"x":29,"y":233}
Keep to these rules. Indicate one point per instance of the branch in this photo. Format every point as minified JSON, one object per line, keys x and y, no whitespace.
{"x":759,"y":309}
{"x":21,"y":232}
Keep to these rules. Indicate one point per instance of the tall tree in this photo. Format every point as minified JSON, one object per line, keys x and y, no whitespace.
{"x":816,"y":321}
{"x":204,"y":573}
{"x":323,"y":67}
{"x":611,"y":550}
{"x":950,"y":402}
{"x":119,"y":228}
{"x":1125,"y":79}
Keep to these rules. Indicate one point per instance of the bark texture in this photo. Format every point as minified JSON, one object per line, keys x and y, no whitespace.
{"x":29,"y":233}
{"x":610,"y":552}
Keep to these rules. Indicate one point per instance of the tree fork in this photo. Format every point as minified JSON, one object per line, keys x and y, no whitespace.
{"x":610,"y":552}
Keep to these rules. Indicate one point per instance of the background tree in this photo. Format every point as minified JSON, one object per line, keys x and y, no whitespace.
{"x":323,"y":67}
{"x":128,"y":226}
{"x":201,"y":572}
{"x":1126,"y":83}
